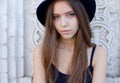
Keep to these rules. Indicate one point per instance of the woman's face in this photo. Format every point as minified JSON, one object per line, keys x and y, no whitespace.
{"x":65,"y":20}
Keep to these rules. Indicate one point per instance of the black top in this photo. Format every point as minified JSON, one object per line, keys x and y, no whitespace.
{"x":61,"y":78}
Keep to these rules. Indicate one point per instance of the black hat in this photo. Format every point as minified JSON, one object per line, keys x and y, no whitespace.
{"x":89,"y":5}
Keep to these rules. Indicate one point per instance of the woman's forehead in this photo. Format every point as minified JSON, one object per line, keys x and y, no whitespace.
{"x":61,"y":7}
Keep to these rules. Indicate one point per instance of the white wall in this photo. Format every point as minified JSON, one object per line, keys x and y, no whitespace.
{"x":20,"y":32}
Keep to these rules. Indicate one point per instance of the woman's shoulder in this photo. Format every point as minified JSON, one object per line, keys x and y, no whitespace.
{"x":100,"y":51}
{"x":38,"y":68}
{"x":100,"y":55}
{"x":38,"y":49}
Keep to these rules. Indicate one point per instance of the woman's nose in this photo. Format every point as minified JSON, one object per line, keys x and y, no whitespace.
{"x":64,"y":22}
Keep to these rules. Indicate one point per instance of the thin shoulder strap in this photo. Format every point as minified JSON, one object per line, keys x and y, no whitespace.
{"x":92,"y":54}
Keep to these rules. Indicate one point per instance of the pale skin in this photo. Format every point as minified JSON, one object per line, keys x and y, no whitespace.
{"x":65,"y":19}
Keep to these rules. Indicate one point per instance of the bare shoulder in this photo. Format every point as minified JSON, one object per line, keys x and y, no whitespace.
{"x":38,"y":69}
{"x":100,"y":51}
{"x":37,"y":50}
{"x":100,"y":65}
{"x":100,"y":55}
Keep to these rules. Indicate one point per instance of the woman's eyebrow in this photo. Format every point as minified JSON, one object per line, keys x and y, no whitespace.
{"x":70,"y":11}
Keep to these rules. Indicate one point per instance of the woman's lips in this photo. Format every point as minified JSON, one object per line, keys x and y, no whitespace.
{"x":65,"y":31}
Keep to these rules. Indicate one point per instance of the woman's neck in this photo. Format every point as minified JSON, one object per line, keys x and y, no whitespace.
{"x":67,"y":43}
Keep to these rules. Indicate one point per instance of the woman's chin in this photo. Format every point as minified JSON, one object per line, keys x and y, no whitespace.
{"x":67,"y":37}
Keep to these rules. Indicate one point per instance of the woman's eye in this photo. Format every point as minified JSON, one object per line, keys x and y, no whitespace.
{"x":55,"y":17}
{"x":71,"y":14}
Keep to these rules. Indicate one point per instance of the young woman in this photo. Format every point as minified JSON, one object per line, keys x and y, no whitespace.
{"x":67,"y":54}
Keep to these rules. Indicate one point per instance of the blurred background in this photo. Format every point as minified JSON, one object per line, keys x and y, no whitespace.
{"x":20,"y":32}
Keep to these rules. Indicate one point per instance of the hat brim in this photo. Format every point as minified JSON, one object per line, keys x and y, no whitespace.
{"x":90,"y":7}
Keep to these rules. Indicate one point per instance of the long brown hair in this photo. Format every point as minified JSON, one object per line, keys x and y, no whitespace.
{"x":83,"y":36}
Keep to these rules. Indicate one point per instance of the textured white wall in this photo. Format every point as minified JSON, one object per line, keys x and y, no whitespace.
{"x":20,"y":31}
{"x":14,"y":43}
